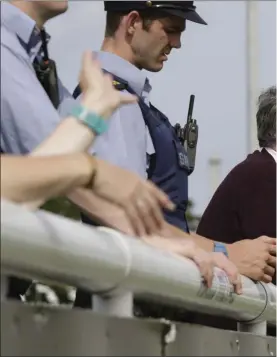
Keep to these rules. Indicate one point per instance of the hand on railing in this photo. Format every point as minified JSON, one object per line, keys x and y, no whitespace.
{"x":204,"y":260}
{"x":255,"y":258}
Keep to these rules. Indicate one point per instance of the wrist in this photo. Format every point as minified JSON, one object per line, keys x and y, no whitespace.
{"x":188,"y":249}
{"x":89,"y":170}
{"x":90,"y":118}
{"x":219,"y":247}
{"x":95,"y":105}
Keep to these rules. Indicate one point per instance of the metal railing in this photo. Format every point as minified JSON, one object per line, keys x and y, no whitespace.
{"x":46,"y":247}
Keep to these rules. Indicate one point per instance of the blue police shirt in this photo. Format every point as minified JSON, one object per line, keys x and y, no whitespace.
{"x":27,"y":114}
{"x":127,"y":141}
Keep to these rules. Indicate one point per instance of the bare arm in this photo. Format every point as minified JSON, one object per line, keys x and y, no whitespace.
{"x":102,"y":211}
{"x":29,"y":179}
{"x":115,"y":217}
{"x":202,"y":242}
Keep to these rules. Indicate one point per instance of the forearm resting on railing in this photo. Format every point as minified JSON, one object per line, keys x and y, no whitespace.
{"x":202,"y":242}
{"x":115,"y":217}
{"x":27,"y":180}
{"x":101,"y":211}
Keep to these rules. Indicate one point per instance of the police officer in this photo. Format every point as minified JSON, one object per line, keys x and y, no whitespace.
{"x":142,"y":34}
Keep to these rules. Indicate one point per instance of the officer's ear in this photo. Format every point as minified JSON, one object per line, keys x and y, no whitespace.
{"x":133,"y":22}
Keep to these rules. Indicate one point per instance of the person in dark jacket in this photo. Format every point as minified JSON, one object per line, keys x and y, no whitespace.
{"x":244,"y":205}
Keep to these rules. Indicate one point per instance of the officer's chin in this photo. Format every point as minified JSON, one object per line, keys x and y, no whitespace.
{"x":58,"y":7}
{"x":157,"y":67}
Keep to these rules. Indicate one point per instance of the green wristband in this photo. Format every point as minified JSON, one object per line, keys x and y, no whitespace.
{"x":94,"y":121}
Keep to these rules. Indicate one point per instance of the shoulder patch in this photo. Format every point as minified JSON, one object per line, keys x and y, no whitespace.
{"x":119,"y":85}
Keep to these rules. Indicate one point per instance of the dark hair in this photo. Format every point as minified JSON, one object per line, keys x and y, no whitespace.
{"x":266,"y":118}
{"x":113,"y":20}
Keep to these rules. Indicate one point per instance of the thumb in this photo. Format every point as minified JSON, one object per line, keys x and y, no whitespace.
{"x":87,"y":61}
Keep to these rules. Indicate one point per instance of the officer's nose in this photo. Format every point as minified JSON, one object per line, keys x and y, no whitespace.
{"x":175,"y":41}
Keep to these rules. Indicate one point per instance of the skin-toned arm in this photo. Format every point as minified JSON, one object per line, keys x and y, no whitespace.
{"x":28,"y":179}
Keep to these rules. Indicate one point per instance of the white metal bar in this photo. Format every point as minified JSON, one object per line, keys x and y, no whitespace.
{"x":252,"y":71}
{"x":45,"y":246}
{"x":4,"y":287}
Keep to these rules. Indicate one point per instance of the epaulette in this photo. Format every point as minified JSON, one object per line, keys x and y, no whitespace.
{"x":120,"y":85}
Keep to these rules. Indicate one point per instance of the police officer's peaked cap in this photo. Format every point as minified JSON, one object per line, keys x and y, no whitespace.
{"x":184,"y":9}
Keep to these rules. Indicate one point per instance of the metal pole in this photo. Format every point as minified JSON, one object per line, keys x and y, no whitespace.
{"x":120,"y":304}
{"x":4,"y":287}
{"x":215,"y":164}
{"x":258,"y":328}
{"x":252,"y":70}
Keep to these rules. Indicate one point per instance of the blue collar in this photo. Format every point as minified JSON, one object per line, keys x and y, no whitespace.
{"x":116,"y":65}
{"x":17,"y":22}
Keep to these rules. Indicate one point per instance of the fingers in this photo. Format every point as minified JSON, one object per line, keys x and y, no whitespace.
{"x":268,"y":240}
{"x":222,"y":262}
{"x":205,"y":267}
{"x":151,"y":214}
{"x":145,"y":209}
{"x":272,"y":249}
{"x":235,"y":280}
{"x":145,"y":215}
{"x":135,"y":219}
{"x":266,"y":279}
{"x":148,"y":212}
{"x":271,"y":261}
{"x":207,"y":273}
{"x":161,"y":197}
{"x":90,"y":66}
{"x":268,"y":270}
{"x":203,"y":260}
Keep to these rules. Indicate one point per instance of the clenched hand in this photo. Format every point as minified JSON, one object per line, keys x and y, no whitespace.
{"x":255,"y":258}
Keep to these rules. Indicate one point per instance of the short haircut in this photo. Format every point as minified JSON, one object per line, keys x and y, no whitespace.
{"x":113,"y":19}
{"x":266,"y":118}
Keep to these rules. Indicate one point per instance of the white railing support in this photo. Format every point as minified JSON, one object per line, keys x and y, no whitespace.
{"x":4,"y":287}
{"x":120,"y":304}
{"x":44,"y":246}
{"x":258,"y":328}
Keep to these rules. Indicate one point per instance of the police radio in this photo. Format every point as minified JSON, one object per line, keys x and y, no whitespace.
{"x":47,"y":73}
{"x":189,"y":135}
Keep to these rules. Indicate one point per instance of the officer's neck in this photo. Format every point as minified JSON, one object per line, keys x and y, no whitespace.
{"x":28,"y":8}
{"x":120,"y":49}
